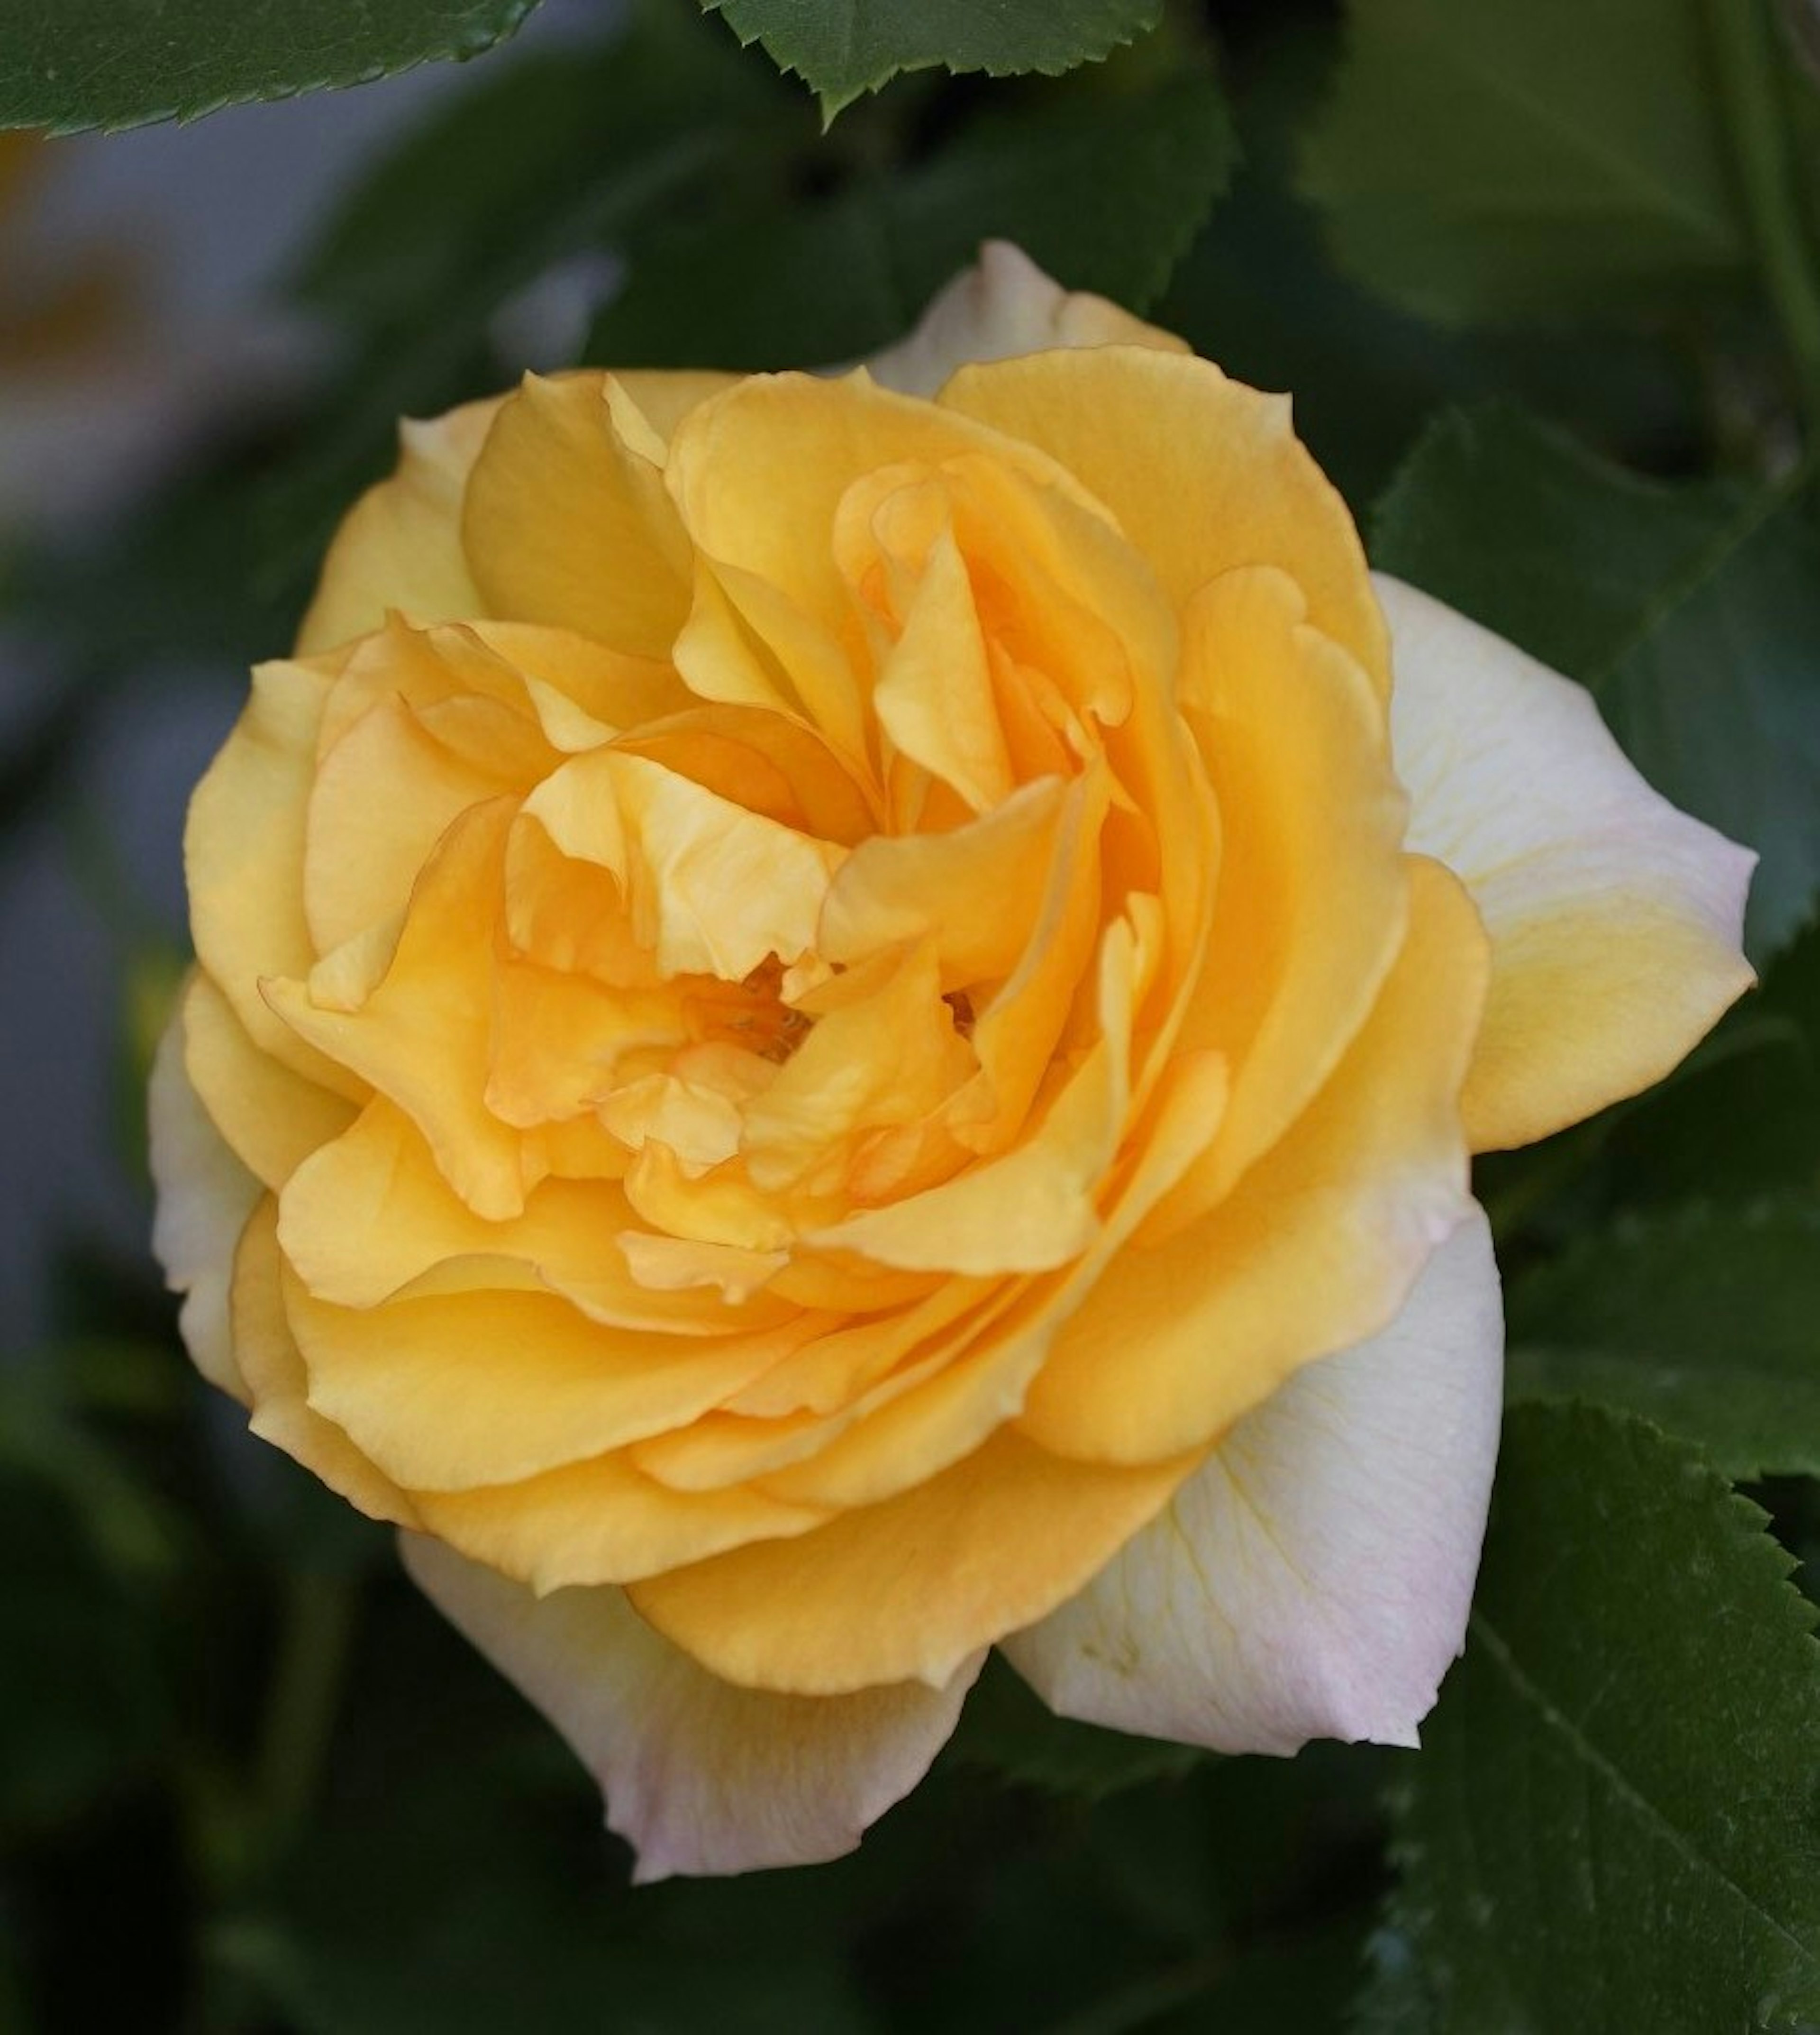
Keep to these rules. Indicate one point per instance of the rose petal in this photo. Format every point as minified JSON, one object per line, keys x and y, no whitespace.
{"x":699,"y":1776}
{"x":422,"y":1033}
{"x":1005,"y":304}
{"x":711,"y":888}
{"x":277,"y":1383}
{"x":204,"y":1197}
{"x":272,"y":1118}
{"x":911,"y":1587}
{"x":243,"y":848}
{"x":1312,"y":1579}
{"x":566,"y":521}
{"x":1312,"y":900}
{"x":759,"y":474}
{"x":1202,"y":473}
{"x":1615,"y":920}
{"x":399,"y":546}
{"x":1177,"y":1340}
{"x":602,"y":1521}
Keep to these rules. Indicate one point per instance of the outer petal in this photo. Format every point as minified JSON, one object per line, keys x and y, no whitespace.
{"x":399,"y":546}
{"x":911,"y":1586}
{"x":1178,"y":1341}
{"x":204,"y":1197}
{"x":1200,"y":473}
{"x":565,"y":521}
{"x":1614,"y":920}
{"x":1312,"y":1579}
{"x":700,"y":1777}
{"x":1006,"y":304}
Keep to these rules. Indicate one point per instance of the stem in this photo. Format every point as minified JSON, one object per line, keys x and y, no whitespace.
{"x":1752,"y":98}
{"x":305,"y":1691}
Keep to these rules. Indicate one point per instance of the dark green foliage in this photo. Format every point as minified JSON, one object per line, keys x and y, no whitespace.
{"x":1612,"y":1823}
{"x":1108,"y":186}
{"x":1706,"y":1320}
{"x":841,"y":48}
{"x":117,"y":63}
{"x":1477,"y":160}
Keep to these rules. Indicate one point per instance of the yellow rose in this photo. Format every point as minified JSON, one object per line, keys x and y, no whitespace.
{"x":840,"y":1020}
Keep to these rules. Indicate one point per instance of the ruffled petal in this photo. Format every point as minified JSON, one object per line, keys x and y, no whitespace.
{"x":1313,"y":895}
{"x":1615,"y":920}
{"x":1312,"y":1579}
{"x":1202,"y":473}
{"x":565,"y":521}
{"x":420,"y":1033}
{"x":1178,"y":1339}
{"x":700,"y":1777}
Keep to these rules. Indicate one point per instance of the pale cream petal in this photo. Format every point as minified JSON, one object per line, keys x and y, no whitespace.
{"x":205,"y":1198}
{"x":1004,"y":304}
{"x":1615,"y":920}
{"x":1312,"y":1578}
{"x":700,"y":1777}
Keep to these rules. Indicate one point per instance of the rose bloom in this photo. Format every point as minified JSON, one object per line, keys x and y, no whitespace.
{"x":840,"y":1020}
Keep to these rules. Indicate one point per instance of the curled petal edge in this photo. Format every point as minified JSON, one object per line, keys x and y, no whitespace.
{"x":700,"y":1777}
{"x":1313,"y":1578}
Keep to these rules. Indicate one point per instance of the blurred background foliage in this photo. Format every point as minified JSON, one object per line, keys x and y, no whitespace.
{"x":1544,"y":279}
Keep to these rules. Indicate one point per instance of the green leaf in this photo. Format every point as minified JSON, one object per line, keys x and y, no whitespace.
{"x":1611,"y":1825}
{"x":1106,"y":191}
{"x":541,"y":160}
{"x":1741,"y":1119}
{"x":1692,"y":612}
{"x":511,"y":175}
{"x":80,"y":1701}
{"x":1481,"y":161}
{"x":841,"y":48}
{"x":120,"y":63}
{"x":1706,"y":1321}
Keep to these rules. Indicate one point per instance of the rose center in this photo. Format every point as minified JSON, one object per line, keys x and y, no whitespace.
{"x":749,"y":1014}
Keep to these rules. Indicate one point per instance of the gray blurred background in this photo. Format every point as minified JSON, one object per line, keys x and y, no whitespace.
{"x":204,"y":221}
